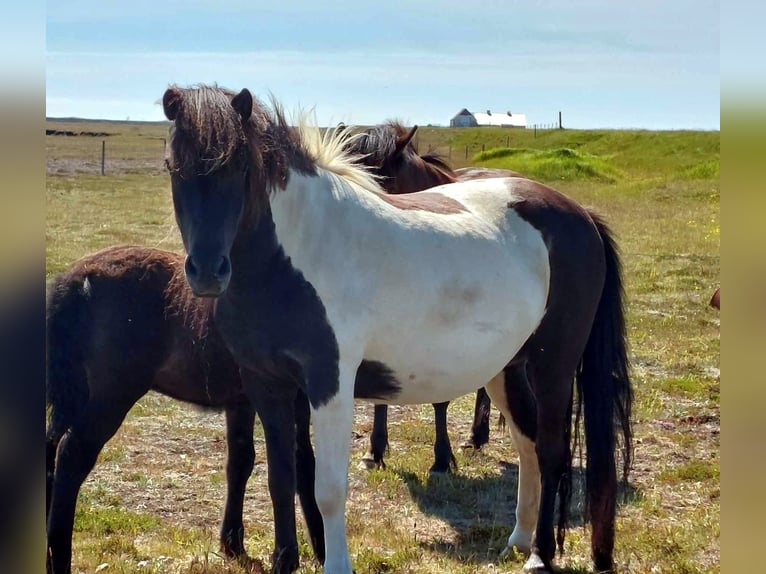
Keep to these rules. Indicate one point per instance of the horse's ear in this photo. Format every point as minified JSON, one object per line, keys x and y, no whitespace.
{"x":243,"y":103}
{"x":401,"y":143}
{"x":171,"y":103}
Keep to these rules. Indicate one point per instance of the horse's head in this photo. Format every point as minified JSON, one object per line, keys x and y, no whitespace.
{"x":209,"y":160}
{"x":388,"y":150}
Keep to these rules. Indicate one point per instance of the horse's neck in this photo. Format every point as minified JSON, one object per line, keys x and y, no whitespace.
{"x":253,"y":255}
{"x":307,"y":208}
{"x":442,"y":177}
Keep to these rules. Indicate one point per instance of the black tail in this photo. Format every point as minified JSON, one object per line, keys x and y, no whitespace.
{"x":605,"y":395}
{"x":66,"y":385}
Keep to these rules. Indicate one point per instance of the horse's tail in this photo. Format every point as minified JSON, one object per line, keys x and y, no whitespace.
{"x":605,"y":396}
{"x":66,"y":385}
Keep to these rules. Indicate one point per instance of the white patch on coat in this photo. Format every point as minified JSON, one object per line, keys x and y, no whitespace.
{"x":393,"y":278}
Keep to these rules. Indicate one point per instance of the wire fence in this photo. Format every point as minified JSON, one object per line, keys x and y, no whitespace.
{"x":101,"y":155}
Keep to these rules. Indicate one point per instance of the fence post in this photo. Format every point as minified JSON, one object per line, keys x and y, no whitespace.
{"x":507,"y":141}
{"x":466,"y":151}
{"x":103,"y":155}
{"x":561,"y":127}
{"x":449,"y":153}
{"x":535,"y":131}
{"x":482,"y":147}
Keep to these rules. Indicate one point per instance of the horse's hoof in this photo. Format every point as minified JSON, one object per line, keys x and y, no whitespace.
{"x":368,"y":463}
{"x":515,"y":552}
{"x":469,"y":447}
{"x":535,"y":564}
{"x":235,"y":551}
{"x":439,"y":474}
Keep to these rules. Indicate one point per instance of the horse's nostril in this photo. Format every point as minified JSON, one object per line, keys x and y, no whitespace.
{"x":224,"y":269}
{"x":190,"y":268}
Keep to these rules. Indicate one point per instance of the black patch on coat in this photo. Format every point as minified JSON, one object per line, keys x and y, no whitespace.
{"x":374,"y":380}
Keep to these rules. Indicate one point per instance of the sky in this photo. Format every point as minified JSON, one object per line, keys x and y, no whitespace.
{"x":603,"y":64}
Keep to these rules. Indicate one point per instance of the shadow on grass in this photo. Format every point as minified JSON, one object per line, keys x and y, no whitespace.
{"x":481,"y":510}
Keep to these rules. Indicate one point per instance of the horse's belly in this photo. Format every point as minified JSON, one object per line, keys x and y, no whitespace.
{"x":445,"y":366}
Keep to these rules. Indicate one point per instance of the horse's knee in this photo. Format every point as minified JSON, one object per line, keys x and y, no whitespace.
{"x":330,"y":495}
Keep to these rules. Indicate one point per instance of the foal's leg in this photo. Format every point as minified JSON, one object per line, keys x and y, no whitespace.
{"x":274,"y":401}
{"x":511,"y":393}
{"x":480,"y":427}
{"x":240,"y":420}
{"x":378,"y":439}
{"x":76,"y":456}
{"x":332,"y":421}
{"x":444,"y":459}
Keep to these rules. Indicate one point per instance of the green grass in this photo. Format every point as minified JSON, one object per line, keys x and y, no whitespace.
{"x":558,"y":164}
{"x":101,"y":521}
{"x":660,"y":193}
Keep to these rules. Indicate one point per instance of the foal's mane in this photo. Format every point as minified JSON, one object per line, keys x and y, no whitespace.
{"x":209,"y":136}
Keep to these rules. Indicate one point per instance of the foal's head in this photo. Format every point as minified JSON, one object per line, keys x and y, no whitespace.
{"x":387,"y":149}
{"x":227,"y":152}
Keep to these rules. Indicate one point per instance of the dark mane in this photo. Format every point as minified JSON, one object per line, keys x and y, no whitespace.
{"x":209,"y":136}
{"x":387,"y":149}
{"x":438,"y":162}
{"x":378,"y":144}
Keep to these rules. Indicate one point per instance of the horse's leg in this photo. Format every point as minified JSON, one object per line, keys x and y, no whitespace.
{"x":76,"y":456}
{"x":444,"y":459}
{"x":553,"y":387}
{"x":378,"y":439}
{"x":512,"y":395}
{"x":480,"y":427}
{"x":305,"y":466}
{"x":274,"y":401}
{"x":332,"y":421}
{"x":240,"y":420}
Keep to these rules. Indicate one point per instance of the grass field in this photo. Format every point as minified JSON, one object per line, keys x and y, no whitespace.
{"x":154,"y":501}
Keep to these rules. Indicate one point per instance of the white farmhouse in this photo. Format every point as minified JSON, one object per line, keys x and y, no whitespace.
{"x":466,"y":119}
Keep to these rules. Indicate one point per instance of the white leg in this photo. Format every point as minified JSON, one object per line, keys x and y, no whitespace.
{"x":528,"y":497}
{"x":332,"y":424}
{"x":528,"y":501}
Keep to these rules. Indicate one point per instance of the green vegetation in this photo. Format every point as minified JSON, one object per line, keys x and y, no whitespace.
{"x":549,"y":164}
{"x":154,"y":501}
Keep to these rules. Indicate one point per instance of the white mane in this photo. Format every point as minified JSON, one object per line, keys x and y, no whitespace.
{"x":329,"y":152}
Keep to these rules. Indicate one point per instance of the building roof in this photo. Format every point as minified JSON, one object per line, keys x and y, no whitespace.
{"x":490,"y":118}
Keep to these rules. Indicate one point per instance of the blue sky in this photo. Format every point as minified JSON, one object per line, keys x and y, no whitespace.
{"x":603,"y":64}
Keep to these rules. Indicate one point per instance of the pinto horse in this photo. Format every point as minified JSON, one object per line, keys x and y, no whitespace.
{"x":314,"y":270}
{"x":387,"y":148}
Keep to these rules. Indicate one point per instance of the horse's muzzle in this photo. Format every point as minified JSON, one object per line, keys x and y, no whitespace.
{"x":208,"y":277}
